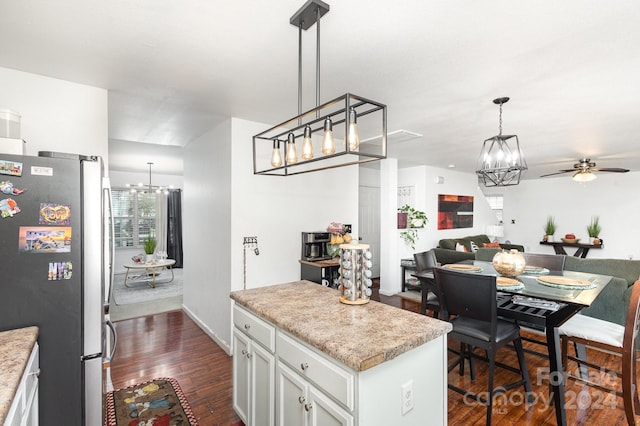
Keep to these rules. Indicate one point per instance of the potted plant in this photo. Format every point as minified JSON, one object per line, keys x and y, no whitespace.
{"x":150,"y":246}
{"x":549,"y":229}
{"x":415,"y":219}
{"x":593,"y":229}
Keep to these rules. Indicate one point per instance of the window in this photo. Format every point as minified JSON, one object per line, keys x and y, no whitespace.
{"x":496,"y":203}
{"x":134,"y":217}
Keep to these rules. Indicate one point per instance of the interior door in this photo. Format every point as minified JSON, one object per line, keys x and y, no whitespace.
{"x":369,"y":223}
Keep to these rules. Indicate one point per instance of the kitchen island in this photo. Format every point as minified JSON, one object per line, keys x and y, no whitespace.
{"x":302,"y":357}
{"x":19,"y":372}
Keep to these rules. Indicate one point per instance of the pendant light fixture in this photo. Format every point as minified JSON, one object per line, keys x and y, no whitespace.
{"x":149,"y":189}
{"x":501,"y":162}
{"x":350,"y":129}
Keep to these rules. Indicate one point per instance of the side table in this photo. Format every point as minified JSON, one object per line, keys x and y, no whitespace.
{"x":153,"y":267}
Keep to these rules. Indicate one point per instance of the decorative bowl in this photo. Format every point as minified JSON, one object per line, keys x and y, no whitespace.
{"x":570,"y":240}
{"x":509,"y":264}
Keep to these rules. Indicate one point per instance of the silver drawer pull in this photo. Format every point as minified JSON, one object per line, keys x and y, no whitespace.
{"x":249,"y":355}
{"x":247,"y":326}
{"x":304,"y":366}
{"x":308,"y":407}
{"x":244,"y":352}
{"x":35,"y":373}
{"x":301,"y":399}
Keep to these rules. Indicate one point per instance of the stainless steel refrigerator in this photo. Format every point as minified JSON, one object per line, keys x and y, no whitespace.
{"x":55,"y":273}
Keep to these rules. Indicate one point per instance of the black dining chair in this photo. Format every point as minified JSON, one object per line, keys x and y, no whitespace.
{"x":425,"y":262}
{"x":553,"y":262}
{"x":468,"y":302}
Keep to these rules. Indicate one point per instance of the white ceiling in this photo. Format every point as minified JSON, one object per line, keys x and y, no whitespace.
{"x":176,"y":68}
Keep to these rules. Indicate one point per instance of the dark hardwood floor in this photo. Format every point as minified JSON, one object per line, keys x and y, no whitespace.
{"x":172,"y":345}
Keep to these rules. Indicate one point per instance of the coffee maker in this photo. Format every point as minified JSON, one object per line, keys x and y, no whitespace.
{"x":315,"y":246}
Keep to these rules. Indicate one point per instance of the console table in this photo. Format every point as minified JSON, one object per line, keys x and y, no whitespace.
{"x":582,"y":251}
{"x":408,"y":265}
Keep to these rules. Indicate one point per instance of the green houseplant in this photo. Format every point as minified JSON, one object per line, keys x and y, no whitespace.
{"x":415,"y":219}
{"x":593,"y":229}
{"x":549,"y":229}
{"x":150,"y":245}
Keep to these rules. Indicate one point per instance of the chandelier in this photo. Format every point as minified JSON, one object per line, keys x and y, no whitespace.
{"x":149,"y":189}
{"x":501,"y":162}
{"x":347,"y":130}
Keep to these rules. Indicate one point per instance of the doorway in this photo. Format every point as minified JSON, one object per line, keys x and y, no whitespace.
{"x":369,"y":223}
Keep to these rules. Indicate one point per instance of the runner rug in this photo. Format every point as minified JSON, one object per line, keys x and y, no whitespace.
{"x":159,"y":402}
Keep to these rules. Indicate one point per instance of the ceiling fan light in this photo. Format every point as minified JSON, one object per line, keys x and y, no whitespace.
{"x":584,"y":176}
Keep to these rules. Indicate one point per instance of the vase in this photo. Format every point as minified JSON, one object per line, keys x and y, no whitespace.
{"x":402,"y":220}
{"x":509,"y":264}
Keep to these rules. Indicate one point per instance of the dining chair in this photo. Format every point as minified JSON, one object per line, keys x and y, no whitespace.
{"x":468,"y":302}
{"x":425,"y":262}
{"x":553,"y":262}
{"x":608,"y":337}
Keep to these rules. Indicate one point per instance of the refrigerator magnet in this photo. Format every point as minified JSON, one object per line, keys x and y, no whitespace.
{"x":8,"y":207}
{"x":12,"y":168}
{"x":8,"y":188}
{"x":39,"y":239}
{"x":54,"y":214}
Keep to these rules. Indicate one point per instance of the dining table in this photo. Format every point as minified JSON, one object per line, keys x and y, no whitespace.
{"x":546,"y":299}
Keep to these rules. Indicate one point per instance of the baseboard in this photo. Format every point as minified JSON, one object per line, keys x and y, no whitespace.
{"x":388,"y":293}
{"x":224,"y":345}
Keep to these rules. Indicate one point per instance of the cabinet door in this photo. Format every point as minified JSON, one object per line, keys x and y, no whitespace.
{"x":241,"y":375}
{"x":324,"y":412}
{"x":291,"y":397}
{"x":262,"y":386}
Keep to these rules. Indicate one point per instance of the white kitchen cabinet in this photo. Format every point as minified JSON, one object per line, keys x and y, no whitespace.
{"x":300,"y":403}
{"x":24,"y":408}
{"x":253,"y":369}
{"x":334,"y":365}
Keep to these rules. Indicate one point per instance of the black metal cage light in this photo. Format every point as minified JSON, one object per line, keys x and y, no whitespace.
{"x":347,"y":130}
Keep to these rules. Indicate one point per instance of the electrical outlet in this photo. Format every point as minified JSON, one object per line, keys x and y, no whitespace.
{"x":407,"y":397}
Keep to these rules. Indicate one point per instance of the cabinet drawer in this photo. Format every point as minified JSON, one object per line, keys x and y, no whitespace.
{"x":255,"y":327}
{"x":321,"y":370}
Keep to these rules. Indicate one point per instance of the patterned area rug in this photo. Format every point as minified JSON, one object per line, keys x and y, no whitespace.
{"x":159,"y":402}
{"x":140,"y":290}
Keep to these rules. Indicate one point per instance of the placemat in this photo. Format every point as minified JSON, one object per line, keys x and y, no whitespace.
{"x":535,"y":270}
{"x":157,"y":402}
{"x":463,"y":267}
{"x":565,"y":282}
{"x":504,"y":283}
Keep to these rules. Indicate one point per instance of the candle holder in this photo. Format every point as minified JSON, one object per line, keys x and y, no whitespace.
{"x":355,"y":274}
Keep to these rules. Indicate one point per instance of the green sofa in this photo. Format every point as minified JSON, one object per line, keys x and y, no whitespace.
{"x":446,"y":250}
{"x":611,"y":304}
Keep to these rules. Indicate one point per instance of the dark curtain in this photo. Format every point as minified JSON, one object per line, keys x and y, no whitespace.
{"x":174,"y":226}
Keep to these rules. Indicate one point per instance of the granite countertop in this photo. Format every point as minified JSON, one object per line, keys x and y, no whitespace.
{"x":15,"y":348}
{"x":359,"y":336}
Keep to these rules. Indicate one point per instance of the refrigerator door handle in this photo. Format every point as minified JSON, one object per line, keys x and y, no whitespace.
{"x":111,"y":239}
{"x":115,"y":339}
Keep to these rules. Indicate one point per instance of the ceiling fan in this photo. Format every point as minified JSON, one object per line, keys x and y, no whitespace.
{"x":584,"y":168}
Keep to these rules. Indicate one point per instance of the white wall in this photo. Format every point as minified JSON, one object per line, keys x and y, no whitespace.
{"x":426,"y":191}
{"x":120,"y":179}
{"x":57,"y":115}
{"x":612,"y":196}
{"x":229,"y":202}
{"x":207,"y":231}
